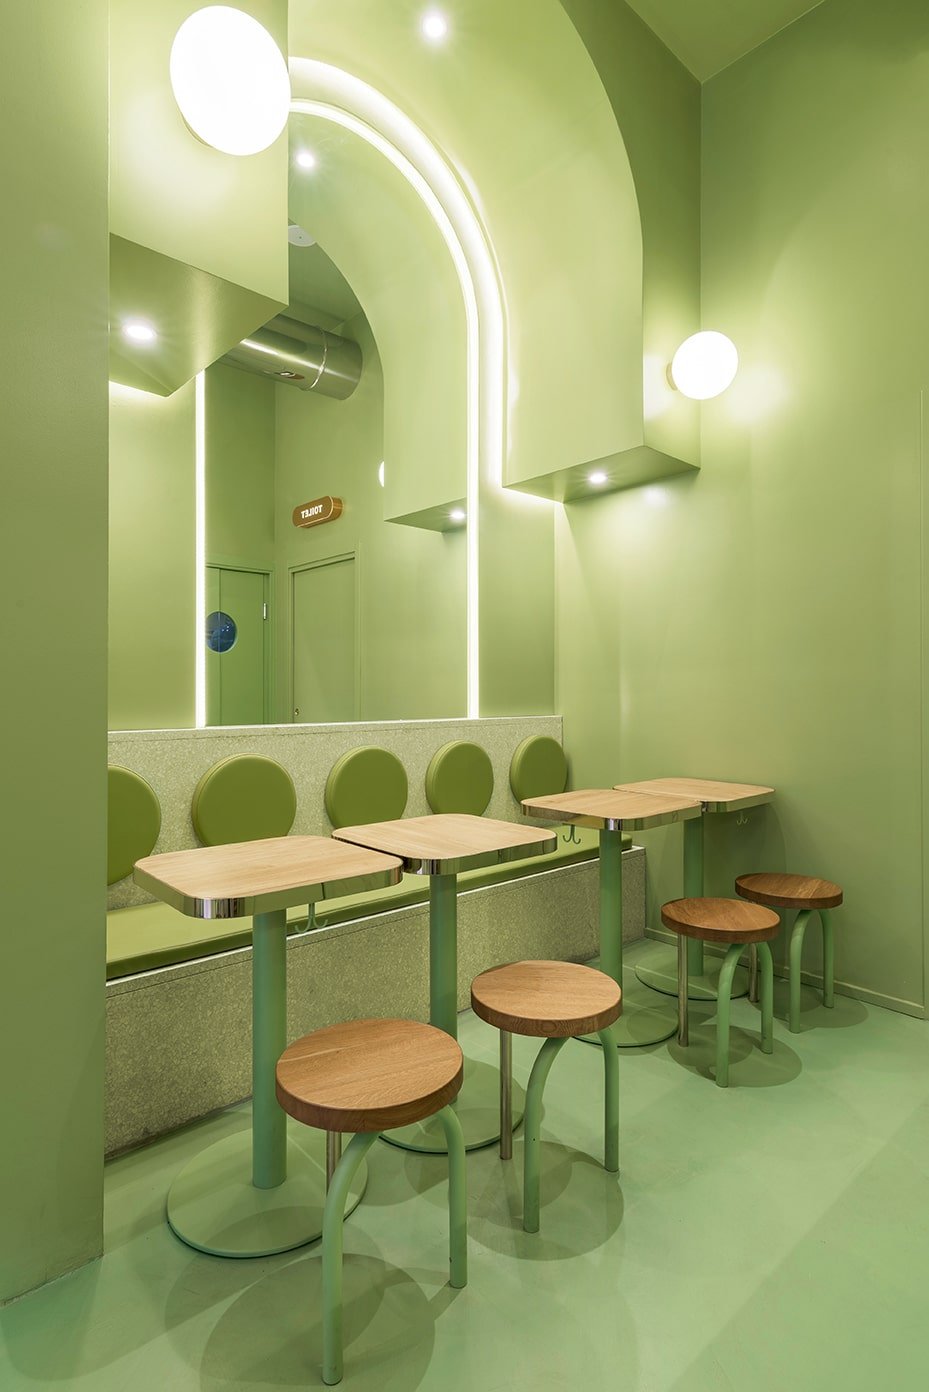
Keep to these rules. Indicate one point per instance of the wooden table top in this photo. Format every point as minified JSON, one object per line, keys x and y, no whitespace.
{"x":714,"y":796}
{"x":446,"y":843}
{"x":613,"y":809}
{"x":252,"y":877}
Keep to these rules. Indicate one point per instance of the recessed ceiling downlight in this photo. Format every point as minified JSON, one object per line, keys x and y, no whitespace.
{"x":434,"y":26}
{"x":597,"y":478}
{"x":305,"y":159}
{"x":230,"y":80}
{"x":458,"y":515}
{"x":137,"y":331}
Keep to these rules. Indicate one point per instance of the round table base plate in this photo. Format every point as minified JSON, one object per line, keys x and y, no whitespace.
{"x":647,"y":1018}
{"x":656,"y":966}
{"x":214,"y":1207}
{"x":478,"y":1108}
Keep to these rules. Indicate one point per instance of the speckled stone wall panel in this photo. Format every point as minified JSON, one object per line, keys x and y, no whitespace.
{"x":174,"y":761}
{"x":179,"y":1039}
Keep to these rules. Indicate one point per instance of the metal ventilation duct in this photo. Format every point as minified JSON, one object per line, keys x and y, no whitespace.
{"x":311,"y":358}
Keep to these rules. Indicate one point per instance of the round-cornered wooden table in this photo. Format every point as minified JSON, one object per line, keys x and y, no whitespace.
{"x":257,"y":1193}
{"x":657,"y":965}
{"x":647,"y":1018}
{"x":441,"y":846}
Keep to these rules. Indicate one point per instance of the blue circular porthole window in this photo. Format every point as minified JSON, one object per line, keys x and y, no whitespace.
{"x":221,"y":631}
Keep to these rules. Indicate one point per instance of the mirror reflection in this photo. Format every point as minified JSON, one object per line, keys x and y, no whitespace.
{"x":332,"y":551}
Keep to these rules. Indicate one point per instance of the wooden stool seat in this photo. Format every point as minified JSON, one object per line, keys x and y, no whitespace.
{"x":720,"y":920}
{"x":549,"y":1000}
{"x":789,"y":891}
{"x":369,"y":1075}
{"x":734,"y":924}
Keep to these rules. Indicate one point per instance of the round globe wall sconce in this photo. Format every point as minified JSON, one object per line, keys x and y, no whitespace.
{"x":704,"y":365}
{"x":230,"y":80}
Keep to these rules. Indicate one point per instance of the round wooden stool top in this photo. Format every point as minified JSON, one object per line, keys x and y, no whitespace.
{"x":720,"y":920}
{"x":789,"y":891}
{"x":552,"y":1000}
{"x":369,"y":1075}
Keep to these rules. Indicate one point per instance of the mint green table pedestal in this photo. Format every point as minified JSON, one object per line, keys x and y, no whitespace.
{"x":477,"y":1105}
{"x":260,"y":1191}
{"x":647,"y":1018}
{"x":657,"y":964}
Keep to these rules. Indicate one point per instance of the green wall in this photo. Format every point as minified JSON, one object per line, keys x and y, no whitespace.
{"x":410,"y":581}
{"x":53,"y":440}
{"x":239,"y":410}
{"x":152,"y":555}
{"x":764,"y":621}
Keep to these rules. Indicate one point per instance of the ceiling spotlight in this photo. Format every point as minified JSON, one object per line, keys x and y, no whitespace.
{"x":458,"y":515}
{"x":380,"y":473}
{"x":434,"y":26}
{"x":306,"y":159}
{"x":597,"y":478}
{"x":138,"y":331}
{"x":704,"y":365}
{"x":230,"y":80}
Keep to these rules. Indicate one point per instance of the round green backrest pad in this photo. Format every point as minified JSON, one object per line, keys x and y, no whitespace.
{"x":460,"y":778}
{"x":245,"y":798}
{"x":366,"y":785}
{"x":133,"y":822}
{"x":538,"y":767}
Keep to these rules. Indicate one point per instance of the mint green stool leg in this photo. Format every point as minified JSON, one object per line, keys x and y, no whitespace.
{"x":611,"y":1103}
{"x":828,"y":959}
{"x":796,"y":963}
{"x":333,"y":1216}
{"x":766,"y":962}
{"x":269,"y":1040}
{"x":533,"y":1125}
{"x":726,"y":973}
{"x":457,"y":1200}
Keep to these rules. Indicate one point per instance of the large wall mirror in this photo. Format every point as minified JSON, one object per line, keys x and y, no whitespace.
{"x":415,"y":371}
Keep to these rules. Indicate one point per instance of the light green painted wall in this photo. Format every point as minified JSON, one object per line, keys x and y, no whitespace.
{"x":239,"y":409}
{"x":767,"y":614}
{"x":410,"y":582}
{"x":152,"y":554}
{"x":53,"y":430}
{"x":657,"y":106}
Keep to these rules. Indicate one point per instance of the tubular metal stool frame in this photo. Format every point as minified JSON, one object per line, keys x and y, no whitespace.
{"x":533,"y":1115}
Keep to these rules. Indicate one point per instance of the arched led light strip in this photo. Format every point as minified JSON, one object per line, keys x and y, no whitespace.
{"x":200,"y":549}
{"x":345,"y":100}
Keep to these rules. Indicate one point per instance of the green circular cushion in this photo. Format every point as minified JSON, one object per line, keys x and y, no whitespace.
{"x":366,"y":785}
{"x":460,"y":778}
{"x":133,"y":822}
{"x":244,"y":798}
{"x":538,"y":767}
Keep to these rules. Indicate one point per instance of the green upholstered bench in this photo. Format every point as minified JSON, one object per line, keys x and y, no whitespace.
{"x":367,"y":784}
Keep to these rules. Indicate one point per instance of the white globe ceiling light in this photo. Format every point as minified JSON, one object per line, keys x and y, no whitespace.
{"x":230,"y":80}
{"x":704,"y":365}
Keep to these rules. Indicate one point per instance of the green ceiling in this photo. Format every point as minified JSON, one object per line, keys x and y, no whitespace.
{"x":708,"y":35}
{"x":316,"y":283}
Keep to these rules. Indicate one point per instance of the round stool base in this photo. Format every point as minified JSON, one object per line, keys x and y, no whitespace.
{"x":214,"y":1207}
{"x":656,"y":966}
{"x":478,"y":1110}
{"x":647,"y":1018}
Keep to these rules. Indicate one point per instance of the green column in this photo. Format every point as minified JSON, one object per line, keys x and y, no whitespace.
{"x":611,"y":904}
{"x":693,"y":885}
{"x":443,"y":953}
{"x":269,"y":1039}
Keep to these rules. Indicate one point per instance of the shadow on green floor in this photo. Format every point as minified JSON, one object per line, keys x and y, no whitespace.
{"x":271,"y":1335}
{"x":748,"y":1066}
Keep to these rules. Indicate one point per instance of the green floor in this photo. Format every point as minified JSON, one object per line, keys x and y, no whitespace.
{"x":772,"y":1236}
